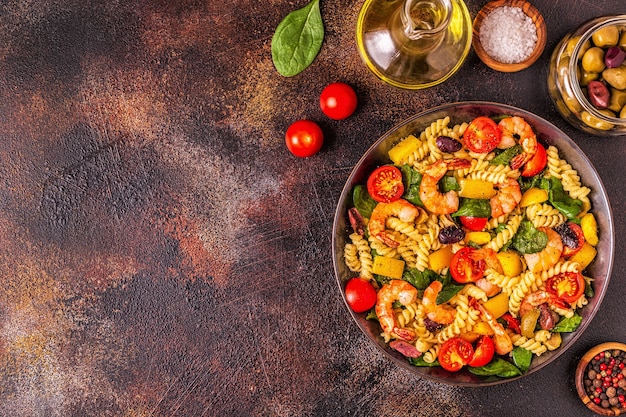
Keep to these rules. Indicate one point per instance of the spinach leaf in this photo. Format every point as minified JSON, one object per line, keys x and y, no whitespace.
{"x":449,"y":183}
{"x":447,"y":292}
{"x":528,"y":239}
{"x":504,"y":157}
{"x":498,"y":367}
{"x":568,"y":324}
{"x":419,"y":279}
{"x":473,"y":207}
{"x":298,"y":39}
{"x":561,"y":200}
{"x":412,"y":180}
{"x":522,"y":358}
{"x":363,"y":202}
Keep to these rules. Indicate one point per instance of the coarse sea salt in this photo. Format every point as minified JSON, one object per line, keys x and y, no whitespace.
{"x":508,"y":35}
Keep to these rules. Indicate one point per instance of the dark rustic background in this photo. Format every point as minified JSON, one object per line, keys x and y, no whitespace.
{"x":161,"y":252}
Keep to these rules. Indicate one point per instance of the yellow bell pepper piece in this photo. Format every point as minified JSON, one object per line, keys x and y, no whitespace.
{"x":388,"y":267}
{"x":441,"y":258}
{"x":584,"y":256}
{"x":590,"y":228}
{"x":479,"y":238}
{"x":404,"y":149}
{"x":533,"y":196}
{"x":511,"y":263}
{"x":472,"y":188}
{"x":498,"y":305}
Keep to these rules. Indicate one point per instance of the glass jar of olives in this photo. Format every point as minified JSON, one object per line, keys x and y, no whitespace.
{"x":587,"y":76}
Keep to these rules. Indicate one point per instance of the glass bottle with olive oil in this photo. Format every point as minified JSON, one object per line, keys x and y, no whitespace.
{"x":414,"y":44}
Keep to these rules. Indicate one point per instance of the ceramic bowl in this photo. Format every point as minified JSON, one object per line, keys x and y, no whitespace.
{"x":547,"y":133}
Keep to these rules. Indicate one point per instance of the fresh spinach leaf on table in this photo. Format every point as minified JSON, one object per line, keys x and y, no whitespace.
{"x":298,"y":39}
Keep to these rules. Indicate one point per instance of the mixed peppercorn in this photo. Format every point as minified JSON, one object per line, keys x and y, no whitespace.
{"x":605,"y":379}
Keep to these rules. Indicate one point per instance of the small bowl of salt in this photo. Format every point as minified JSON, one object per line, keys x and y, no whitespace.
{"x":509,"y":35}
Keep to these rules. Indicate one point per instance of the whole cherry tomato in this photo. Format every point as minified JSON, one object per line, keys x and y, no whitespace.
{"x":568,"y":286}
{"x":385,"y":184}
{"x":537,"y":163}
{"x":338,"y":101}
{"x":304,"y":138}
{"x":360,"y":295}
{"x":482,"y":135}
{"x":475,"y":224}
{"x":465,"y":268}
{"x":455,"y":353}
{"x":483,"y":352}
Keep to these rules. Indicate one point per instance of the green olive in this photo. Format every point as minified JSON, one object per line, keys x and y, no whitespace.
{"x":593,"y":60}
{"x":585,"y":77}
{"x":563,"y":66}
{"x":571,"y":44}
{"x":617,"y":100}
{"x":596,"y":123}
{"x":616,"y":77}
{"x":607,"y":36}
{"x":622,"y":113}
{"x":622,"y":40}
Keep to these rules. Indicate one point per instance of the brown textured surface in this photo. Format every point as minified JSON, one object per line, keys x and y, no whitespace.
{"x":162,"y":254}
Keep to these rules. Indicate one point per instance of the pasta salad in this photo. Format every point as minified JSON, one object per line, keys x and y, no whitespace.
{"x":470,"y":247}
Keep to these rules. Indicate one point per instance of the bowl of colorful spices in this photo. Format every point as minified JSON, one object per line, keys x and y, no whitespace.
{"x":601,"y":379}
{"x":509,"y":35}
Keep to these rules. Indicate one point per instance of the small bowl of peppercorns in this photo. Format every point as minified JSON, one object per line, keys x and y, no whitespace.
{"x":601,"y":379}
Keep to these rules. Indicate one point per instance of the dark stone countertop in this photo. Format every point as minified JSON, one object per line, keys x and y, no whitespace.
{"x":162,"y":254}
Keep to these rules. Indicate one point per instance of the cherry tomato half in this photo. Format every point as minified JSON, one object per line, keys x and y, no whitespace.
{"x":304,"y":138}
{"x":385,"y":184}
{"x":572,"y":236}
{"x":360,"y":295}
{"x":465,"y":268}
{"x":455,"y":353}
{"x":537,"y":163}
{"x":512,"y":322}
{"x":338,"y":101}
{"x":483,"y":352}
{"x":568,"y":286}
{"x":475,"y":224}
{"x":482,"y":135}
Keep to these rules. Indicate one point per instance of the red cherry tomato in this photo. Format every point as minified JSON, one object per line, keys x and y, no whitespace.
{"x":482,"y":135}
{"x":455,"y":353}
{"x":573,"y":238}
{"x":338,"y":101}
{"x":385,"y":184}
{"x":475,"y":224}
{"x":304,"y":138}
{"x":512,"y":322}
{"x":465,"y":268}
{"x":537,"y":163}
{"x":568,"y":286}
{"x":483,"y":352}
{"x":360,"y":295}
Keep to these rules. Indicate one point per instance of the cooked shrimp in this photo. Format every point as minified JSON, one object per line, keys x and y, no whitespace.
{"x":537,"y":298}
{"x":517,"y":129}
{"x":501,"y":339}
{"x":489,"y":256}
{"x":435,"y":201}
{"x":489,"y":288}
{"x":442,"y":314}
{"x":506,"y":199}
{"x":547,"y":257}
{"x":395,"y":290}
{"x":401,"y":209}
